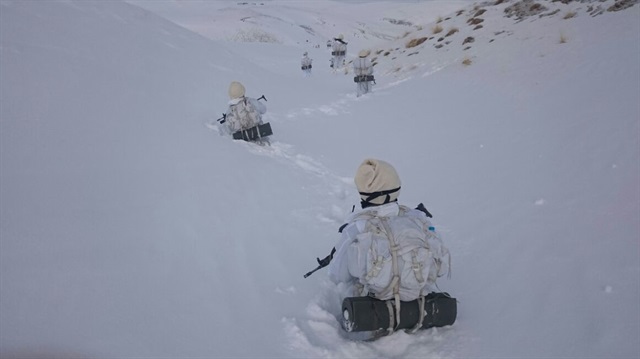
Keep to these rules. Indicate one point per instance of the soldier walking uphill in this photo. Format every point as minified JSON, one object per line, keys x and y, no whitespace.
{"x":364,"y":73}
{"x":306,"y":64}
{"x":338,"y":51}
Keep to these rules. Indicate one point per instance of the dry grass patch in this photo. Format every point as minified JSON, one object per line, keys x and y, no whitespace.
{"x":467,"y":61}
{"x":535,"y":7}
{"x":468,"y":40}
{"x":415,"y":42}
{"x":436,"y":29}
{"x":622,"y":4}
{"x":569,"y":15}
{"x":480,"y":12}
{"x":563,"y":39}
{"x":452,"y":31}
{"x":474,"y":21}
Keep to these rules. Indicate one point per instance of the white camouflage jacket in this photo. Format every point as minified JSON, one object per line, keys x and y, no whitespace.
{"x":362,"y":66}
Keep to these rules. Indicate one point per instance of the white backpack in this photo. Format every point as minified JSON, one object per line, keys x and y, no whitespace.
{"x":243,"y":116}
{"x":398,"y":257}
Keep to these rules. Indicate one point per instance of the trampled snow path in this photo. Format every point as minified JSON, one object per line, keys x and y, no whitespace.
{"x":336,"y":186}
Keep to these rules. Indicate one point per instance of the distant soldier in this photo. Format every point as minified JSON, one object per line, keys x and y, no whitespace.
{"x":306,"y":64}
{"x":364,"y":72}
{"x":338,"y":51}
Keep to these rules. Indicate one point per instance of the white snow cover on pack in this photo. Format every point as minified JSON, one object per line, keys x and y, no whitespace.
{"x":365,"y":252}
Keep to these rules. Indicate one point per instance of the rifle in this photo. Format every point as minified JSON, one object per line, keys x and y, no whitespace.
{"x":322,"y":262}
{"x":262,"y":98}
{"x":423,"y":209}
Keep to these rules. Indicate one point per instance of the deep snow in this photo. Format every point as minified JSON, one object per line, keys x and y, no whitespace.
{"x":128,"y":228}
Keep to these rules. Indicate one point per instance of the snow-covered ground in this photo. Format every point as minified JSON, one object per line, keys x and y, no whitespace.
{"x":129,"y":228}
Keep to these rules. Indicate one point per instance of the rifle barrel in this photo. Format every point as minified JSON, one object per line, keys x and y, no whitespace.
{"x":313,"y":271}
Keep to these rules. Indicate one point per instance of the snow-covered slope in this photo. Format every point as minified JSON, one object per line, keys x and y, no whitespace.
{"x":303,"y":24}
{"x":130,"y":229}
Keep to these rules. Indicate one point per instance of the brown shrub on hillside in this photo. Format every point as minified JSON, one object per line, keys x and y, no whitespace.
{"x":563,"y":39}
{"x":452,"y":31}
{"x":415,"y":42}
{"x":524,"y":8}
{"x":622,"y":4}
{"x":480,"y":12}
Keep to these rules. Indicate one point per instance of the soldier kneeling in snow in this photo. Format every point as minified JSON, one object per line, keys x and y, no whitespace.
{"x":244,"y":116}
{"x":391,"y":256}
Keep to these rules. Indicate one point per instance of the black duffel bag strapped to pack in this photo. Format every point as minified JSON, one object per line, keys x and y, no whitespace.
{"x":254,"y":133}
{"x":363,"y":78}
{"x":367,"y":314}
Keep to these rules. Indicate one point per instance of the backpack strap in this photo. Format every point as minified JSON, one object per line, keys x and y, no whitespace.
{"x":395,"y":281}
{"x":416,"y":266}
{"x":391,"y":317}
{"x":418,"y":325}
